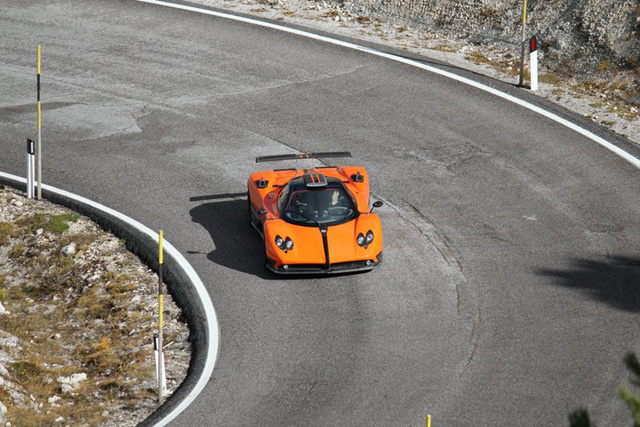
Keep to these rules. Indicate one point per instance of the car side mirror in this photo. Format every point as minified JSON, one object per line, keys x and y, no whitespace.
{"x":376,"y":204}
{"x":262,"y":211}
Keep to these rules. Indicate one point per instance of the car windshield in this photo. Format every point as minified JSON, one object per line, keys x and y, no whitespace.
{"x":319,"y":206}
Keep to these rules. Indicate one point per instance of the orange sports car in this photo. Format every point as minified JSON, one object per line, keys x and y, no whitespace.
{"x":315,"y":221}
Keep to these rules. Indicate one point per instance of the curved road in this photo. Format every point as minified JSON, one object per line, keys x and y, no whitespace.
{"x":508,"y":294}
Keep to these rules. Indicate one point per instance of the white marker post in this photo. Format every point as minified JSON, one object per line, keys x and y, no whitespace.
{"x":533,"y":48}
{"x":31,"y":168}
{"x":160,"y":368}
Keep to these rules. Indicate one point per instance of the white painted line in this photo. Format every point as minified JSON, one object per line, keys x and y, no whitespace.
{"x":620,"y":152}
{"x":212,"y":319}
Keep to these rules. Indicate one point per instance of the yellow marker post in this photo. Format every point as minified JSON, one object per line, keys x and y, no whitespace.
{"x":160,"y":311}
{"x":39,"y":148}
{"x":523,"y":41}
{"x":428,"y":420}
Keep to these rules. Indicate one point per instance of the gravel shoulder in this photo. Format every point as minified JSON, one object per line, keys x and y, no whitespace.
{"x":77,"y":316}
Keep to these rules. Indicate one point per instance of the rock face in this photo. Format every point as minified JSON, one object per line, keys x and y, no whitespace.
{"x":587,"y":35}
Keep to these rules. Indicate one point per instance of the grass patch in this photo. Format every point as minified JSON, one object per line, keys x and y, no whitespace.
{"x":551,"y":78}
{"x":7,"y":231}
{"x":82,"y":415}
{"x":17,"y":251}
{"x":55,"y":224}
{"x":24,"y":326}
{"x":61,"y":275}
{"x":34,"y":377}
{"x":488,"y":12}
{"x":478,"y":58}
{"x":591,"y":85}
{"x":506,"y":65}
{"x":82,"y":240}
{"x":445,"y":48}
{"x":604,"y":66}
{"x":24,"y":371}
{"x":101,"y":357}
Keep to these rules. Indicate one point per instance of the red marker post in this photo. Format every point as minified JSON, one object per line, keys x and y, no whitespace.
{"x":533,"y":49}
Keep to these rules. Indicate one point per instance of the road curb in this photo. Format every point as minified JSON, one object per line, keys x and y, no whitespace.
{"x":182,"y":283}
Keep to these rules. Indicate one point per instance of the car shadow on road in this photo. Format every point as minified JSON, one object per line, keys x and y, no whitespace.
{"x":236,"y":244}
{"x":614,"y":281}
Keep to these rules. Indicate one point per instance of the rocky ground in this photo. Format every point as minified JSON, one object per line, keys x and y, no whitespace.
{"x":589,"y":49}
{"x":77,"y":317}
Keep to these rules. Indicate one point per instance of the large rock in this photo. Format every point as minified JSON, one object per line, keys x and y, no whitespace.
{"x":71,"y":382}
{"x":68,"y":250}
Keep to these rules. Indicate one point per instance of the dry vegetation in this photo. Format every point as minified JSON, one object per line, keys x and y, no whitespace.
{"x":91,"y":312}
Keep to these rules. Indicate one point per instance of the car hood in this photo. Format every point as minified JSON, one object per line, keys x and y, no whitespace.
{"x":309,"y":247}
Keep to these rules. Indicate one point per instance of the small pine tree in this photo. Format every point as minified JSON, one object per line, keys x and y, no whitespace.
{"x":632,"y":400}
{"x":580,"y":418}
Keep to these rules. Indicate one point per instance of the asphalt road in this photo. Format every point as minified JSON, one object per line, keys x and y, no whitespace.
{"x":508,"y":295}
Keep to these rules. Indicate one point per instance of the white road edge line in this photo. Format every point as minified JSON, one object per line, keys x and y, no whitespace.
{"x":212,"y":319}
{"x":617,"y":150}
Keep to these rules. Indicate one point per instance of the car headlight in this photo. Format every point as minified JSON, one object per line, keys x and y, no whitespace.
{"x":360,"y":239}
{"x":369,"y":236}
{"x":285,"y":244}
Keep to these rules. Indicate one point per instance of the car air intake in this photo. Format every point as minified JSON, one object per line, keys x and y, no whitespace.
{"x":315,"y":179}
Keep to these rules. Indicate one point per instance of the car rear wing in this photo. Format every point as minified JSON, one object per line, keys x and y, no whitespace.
{"x":324,"y":155}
